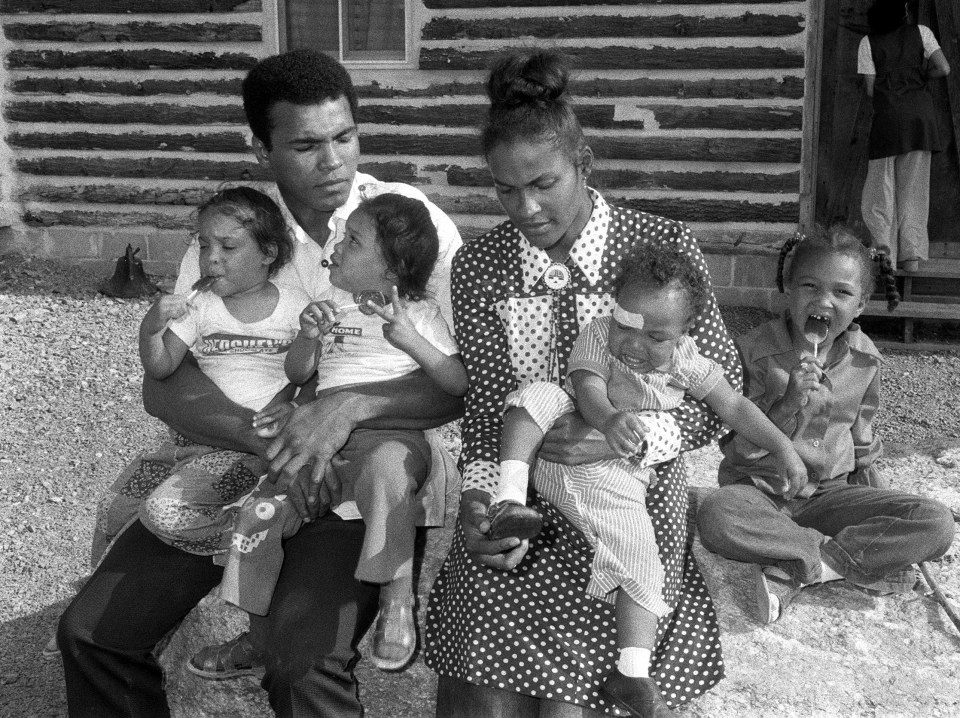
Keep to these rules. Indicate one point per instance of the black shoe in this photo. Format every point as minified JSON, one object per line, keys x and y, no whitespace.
{"x":235,"y":658}
{"x":639,"y":696}
{"x":508,"y":518}
{"x":775,"y":590}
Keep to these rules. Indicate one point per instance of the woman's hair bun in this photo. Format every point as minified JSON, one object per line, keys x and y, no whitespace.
{"x":530,"y":77}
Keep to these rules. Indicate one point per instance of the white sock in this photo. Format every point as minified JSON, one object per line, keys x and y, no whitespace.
{"x":634,"y":662}
{"x":514,"y":477}
{"x":827,"y":573}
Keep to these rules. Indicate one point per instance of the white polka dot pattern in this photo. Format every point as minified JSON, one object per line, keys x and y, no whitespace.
{"x":535,"y":630}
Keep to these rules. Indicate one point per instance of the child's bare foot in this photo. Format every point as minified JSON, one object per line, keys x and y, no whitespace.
{"x":508,"y":518}
{"x":395,"y":631}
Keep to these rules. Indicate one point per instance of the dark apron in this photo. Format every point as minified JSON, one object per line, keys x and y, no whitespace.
{"x":903,"y":114}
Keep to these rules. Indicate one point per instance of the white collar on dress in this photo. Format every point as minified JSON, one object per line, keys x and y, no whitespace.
{"x":586,"y":253}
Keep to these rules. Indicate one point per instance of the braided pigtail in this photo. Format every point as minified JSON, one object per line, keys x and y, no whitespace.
{"x":885,"y":270}
{"x":784,"y":251}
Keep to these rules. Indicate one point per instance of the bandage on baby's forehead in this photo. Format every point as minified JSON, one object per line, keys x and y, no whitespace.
{"x":627,"y":318}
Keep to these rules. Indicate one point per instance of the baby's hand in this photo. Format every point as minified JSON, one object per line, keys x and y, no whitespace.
{"x":317,"y":319}
{"x":271,"y":420}
{"x":805,"y":379}
{"x":398,"y":329}
{"x":625,"y":432}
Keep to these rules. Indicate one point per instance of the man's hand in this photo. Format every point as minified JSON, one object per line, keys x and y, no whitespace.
{"x":301,"y":453}
{"x":572,"y":442}
{"x":504,"y":554}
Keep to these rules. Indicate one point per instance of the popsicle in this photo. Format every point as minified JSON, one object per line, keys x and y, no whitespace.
{"x":201,"y":285}
{"x":815,"y":331}
{"x":361,"y":299}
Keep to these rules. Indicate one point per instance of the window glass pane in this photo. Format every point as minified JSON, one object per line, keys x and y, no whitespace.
{"x":375,"y":29}
{"x":313,"y":23}
{"x":372,"y":29}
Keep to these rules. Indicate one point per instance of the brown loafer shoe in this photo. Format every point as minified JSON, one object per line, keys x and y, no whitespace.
{"x":235,"y":658}
{"x":394,"y":634}
{"x":637,"y":696}
{"x":508,"y":518}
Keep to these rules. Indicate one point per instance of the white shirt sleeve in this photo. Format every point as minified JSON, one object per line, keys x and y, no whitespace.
{"x":930,"y":44}
{"x":865,"y":64}
{"x":189,"y":269}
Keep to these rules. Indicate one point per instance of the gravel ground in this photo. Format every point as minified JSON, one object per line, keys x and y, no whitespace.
{"x":70,"y":417}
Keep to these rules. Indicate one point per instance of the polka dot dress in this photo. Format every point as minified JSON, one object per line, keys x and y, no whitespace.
{"x":535,"y":630}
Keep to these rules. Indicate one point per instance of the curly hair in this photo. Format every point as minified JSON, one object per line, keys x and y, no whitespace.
{"x":259,"y":215}
{"x":529,"y":100}
{"x":653,"y":264}
{"x":407,"y":239}
{"x":301,"y":77}
{"x":839,"y":239}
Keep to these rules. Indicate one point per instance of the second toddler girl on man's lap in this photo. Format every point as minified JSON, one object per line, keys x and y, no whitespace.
{"x":347,"y":338}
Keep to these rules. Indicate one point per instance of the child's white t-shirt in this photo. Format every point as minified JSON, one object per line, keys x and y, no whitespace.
{"x":245,"y":360}
{"x":356,"y":352}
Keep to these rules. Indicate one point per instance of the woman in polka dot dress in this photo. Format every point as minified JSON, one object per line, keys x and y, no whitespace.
{"x":510,"y":627}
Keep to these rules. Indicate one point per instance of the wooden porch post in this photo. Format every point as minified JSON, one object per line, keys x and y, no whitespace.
{"x":811,"y":115}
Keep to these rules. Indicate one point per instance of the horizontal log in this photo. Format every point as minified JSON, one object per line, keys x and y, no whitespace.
{"x":715,"y":210}
{"x":192,"y":196}
{"x":133,"y":32}
{"x":117,"y":194}
{"x":655,"y":180}
{"x":601,"y":116}
{"x":128,"y":6}
{"x":568,"y":27}
{"x":687,"y":210}
{"x":104,"y":218}
{"x":471,"y":115}
{"x":744,"y":89}
{"x":627,"y":58}
{"x":139,"y":88}
{"x":725,"y":117}
{"x":450,"y":4}
{"x":696,"y":149}
{"x":179,"y":168}
{"x":146,"y":59}
{"x":175,"y":142}
{"x":125,"y":113}
{"x":163,"y":167}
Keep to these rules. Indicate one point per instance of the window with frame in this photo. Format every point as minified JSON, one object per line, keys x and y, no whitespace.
{"x":350,"y":30}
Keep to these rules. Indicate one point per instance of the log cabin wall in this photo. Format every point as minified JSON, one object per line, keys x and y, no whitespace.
{"x":121,"y":114}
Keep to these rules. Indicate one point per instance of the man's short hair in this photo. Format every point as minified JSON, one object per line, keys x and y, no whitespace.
{"x":301,"y":77}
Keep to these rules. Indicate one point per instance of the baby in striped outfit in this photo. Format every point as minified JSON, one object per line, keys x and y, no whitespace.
{"x":639,"y":359}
